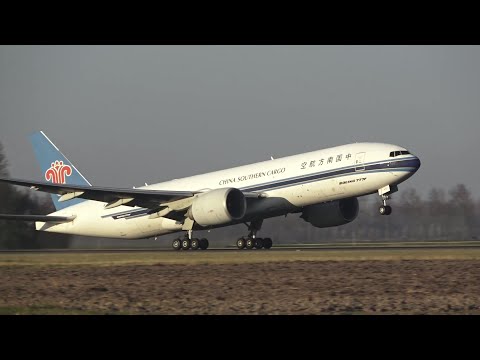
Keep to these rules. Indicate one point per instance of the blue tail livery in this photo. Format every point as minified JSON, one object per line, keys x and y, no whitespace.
{"x":56,"y":168}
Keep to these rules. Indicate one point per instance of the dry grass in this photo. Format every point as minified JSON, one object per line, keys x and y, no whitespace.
{"x":438,"y":285}
{"x":230,"y":257}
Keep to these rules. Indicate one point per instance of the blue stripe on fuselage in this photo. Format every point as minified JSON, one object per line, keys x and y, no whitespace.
{"x":408,"y":165}
{"x":411,"y":163}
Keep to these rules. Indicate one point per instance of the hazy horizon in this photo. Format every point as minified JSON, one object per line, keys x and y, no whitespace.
{"x":126,"y":115}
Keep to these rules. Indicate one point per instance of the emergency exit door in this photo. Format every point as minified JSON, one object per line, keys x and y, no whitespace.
{"x":360,"y":161}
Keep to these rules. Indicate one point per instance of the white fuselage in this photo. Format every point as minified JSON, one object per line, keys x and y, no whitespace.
{"x":288,"y":184}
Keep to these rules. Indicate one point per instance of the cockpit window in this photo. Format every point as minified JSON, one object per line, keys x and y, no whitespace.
{"x":399,"y":152}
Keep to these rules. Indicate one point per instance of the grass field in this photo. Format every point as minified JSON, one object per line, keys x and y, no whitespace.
{"x":44,"y":310}
{"x":370,"y":281}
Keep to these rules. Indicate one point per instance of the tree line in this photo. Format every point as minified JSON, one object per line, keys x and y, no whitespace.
{"x":20,"y":234}
{"x":442,"y":215}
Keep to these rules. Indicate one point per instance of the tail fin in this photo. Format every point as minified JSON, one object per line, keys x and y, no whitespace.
{"x":56,"y":168}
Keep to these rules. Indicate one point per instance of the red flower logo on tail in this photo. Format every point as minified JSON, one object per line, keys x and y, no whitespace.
{"x":57,"y":172}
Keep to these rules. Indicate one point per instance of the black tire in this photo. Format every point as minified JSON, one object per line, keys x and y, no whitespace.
{"x":388,"y":210}
{"x":249,"y":243}
{"x":204,"y":244}
{"x":258,"y":243}
{"x":267,"y":243}
{"x":186,"y":244}
{"x":176,"y":244}
{"x":241,"y":243}
{"x":194,"y":244}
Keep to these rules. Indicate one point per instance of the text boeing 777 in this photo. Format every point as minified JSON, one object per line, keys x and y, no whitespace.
{"x":322,"y":185}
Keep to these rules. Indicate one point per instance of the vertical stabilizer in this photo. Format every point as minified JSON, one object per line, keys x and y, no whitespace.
{"x":56,"y":168}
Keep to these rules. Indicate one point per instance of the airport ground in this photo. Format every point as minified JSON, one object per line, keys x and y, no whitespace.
{"x":289,"y":281}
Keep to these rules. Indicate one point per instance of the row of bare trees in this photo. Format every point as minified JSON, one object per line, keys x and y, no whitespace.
{"x":442,"y":215}
{"x":19,"y":234}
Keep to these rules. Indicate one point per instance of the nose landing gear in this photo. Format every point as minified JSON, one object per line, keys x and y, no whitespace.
{"x":385,"y":209}
{"x":385,"y":193}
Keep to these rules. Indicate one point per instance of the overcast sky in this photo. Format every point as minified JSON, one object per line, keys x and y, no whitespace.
{"x":125,"y":115}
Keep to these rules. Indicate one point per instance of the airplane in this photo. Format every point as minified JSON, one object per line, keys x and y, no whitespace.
{"x":323,"y":186}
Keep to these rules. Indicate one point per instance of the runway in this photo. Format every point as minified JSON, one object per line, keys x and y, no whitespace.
{"x":280,"y":247}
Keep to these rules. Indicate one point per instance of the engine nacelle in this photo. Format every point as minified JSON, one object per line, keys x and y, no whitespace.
{"x":333,"y":213}
{"x":219,"y":206}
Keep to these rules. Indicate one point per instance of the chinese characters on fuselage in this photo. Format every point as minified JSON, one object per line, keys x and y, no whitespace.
{"x":320,"y":162}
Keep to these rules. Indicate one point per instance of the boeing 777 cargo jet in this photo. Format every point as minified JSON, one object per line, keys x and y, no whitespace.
{"x":322,"y":185}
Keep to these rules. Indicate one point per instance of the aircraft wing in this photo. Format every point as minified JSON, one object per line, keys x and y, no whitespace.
{"x":43,"y":218}
{"x":113,"y":196}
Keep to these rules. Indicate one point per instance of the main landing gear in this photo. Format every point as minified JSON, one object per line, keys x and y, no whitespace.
{"x":251,"y":241}
{"x":188,"y":243}
{"x":248,"y":242}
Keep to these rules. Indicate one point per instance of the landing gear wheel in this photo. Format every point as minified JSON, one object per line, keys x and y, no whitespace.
{"x":250,"y":243}
{"x":203,"y":244}
{"x":194,"y":244}
{"x":241,"y":243}
{"x":267,"y":243}
{"x":176,"y":244}
{"x":385,"y":210}
{"x":258,"y":243}
{"x":186,"y":244}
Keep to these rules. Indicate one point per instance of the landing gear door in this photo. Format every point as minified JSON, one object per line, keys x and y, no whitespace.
{"x":360,"y":161}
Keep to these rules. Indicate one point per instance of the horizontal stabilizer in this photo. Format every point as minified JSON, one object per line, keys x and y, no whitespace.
{"x":43,"y":218}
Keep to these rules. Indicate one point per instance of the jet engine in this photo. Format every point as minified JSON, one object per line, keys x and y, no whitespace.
{"x":333,"y":213}
{"x":217,"y":207}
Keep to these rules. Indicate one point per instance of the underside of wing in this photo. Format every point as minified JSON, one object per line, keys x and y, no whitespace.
{"x":112,"y":196}
{"x":152,"y":199}
{"x":43,"y":218}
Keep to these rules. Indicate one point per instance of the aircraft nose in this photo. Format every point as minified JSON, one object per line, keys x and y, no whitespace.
{"x":416,"y":163}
